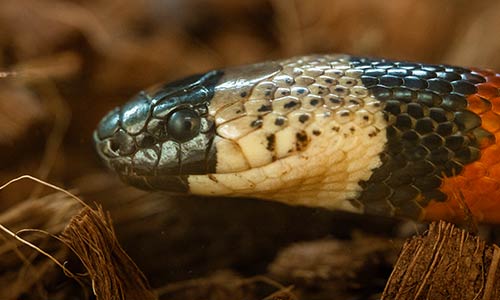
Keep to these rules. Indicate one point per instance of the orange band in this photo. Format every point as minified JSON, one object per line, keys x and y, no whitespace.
{"x":477,"y":188}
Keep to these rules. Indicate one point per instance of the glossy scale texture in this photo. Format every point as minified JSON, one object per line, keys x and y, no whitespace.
{"x":369,"y":135}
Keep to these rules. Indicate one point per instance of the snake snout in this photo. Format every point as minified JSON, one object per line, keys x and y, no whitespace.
{"x":122,"y":135}
{"x":113,"y":144}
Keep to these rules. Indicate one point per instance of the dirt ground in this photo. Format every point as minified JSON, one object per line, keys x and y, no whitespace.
{"x":64,"y":64}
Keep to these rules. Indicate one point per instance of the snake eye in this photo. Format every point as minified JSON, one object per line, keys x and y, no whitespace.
{"x":183,"y":125}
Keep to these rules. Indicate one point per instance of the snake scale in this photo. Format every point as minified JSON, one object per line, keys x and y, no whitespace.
{"x":366,"y":135}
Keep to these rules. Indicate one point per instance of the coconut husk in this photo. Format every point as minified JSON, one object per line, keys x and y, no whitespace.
{"x":445,"y":263}
{"x":91,"y":237}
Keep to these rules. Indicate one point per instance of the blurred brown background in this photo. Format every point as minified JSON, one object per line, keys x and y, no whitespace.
{"x":64,"y":64}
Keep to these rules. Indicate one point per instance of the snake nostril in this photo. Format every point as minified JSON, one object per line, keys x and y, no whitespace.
{"x":114,"y":146}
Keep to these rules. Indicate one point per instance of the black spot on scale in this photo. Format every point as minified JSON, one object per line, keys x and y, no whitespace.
{"x":340,"y":89}
{"x":314,"y":102}
{"x":290,"y":104}
{"x":303,"y":118}
{"x":265,"y":108}
{"x":243,"y":94}
{"x":316,"y":132}
{"x":301,"y":136}
{"x":301,"y":91}
{"x":279,"y":121}
{"x":335,"y":100}
{"x":301,"y":140}
{"x":271,"y":140}
{"x":429,"y":125}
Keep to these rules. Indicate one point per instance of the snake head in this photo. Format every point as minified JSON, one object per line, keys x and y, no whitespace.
{"x":162,"y":135}
{"x":168,"y":133}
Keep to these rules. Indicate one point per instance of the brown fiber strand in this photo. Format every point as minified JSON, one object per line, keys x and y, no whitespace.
{"x":114,"y":275}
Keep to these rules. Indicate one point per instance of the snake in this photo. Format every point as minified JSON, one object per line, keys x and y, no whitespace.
{"x":366,"y":135}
